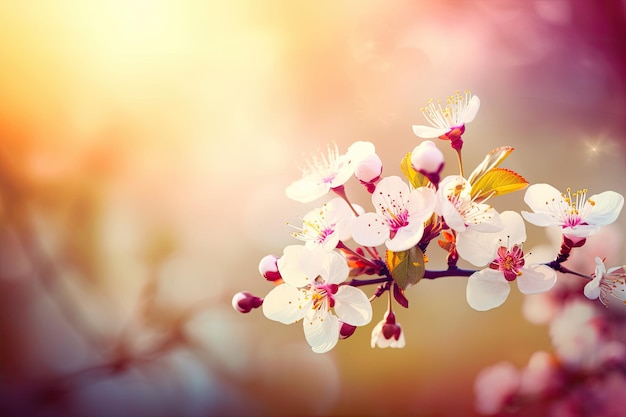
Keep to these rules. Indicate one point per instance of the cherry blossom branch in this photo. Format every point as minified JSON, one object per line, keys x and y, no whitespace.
{"x":560,"y":268}
{"x":450,"y":272}
{"x":362,"y":282}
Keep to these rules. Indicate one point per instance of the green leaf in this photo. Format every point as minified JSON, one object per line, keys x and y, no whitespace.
{"x":497,"y":181}
{"x":415,"y":178}
{"x":406,"y":267}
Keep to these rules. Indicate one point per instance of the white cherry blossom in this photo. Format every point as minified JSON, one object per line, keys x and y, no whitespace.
{"x":328,"y":171}
{"x":449,"y":119}
{"x":399,"y":218}
{"x":607,"y":284}
{"x":327,"y":225}
{"x":311,"y":292}
{"x":575,"y":213}
{"x":388,"y":333}
{"x":489,"y":288}
{"x":462,"y":214}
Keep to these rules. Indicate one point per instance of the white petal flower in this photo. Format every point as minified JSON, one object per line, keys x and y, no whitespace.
{"x":607,"y":284}
{"x":489,"y":288}
{"x":460,"y":211}
{"x":399,"y":218}
{"x":576,"y":214}
{"x":327,"y":225}
{"x":311,"y":292}
{"x":458,"y":111}
{"x":327,"y":171}
{"x":388,"y":333}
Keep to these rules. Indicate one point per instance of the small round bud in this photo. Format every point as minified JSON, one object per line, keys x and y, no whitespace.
{"x":426,"y":158}
{"x":244,"y":302}
{"x":346,"y":330}
{"x":369,"y":169}
{"x":269,"y":268}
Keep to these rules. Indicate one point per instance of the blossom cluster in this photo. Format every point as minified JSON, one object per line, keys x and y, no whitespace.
{"x":343,"y":247}
{"x":584,"y":374}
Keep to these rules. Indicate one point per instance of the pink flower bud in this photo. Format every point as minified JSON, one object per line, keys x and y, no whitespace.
{"x":427,"y":158}
{"x":269,"y":268}
{"x":244,"y":302}
{"x":369,"y":169}
{"x":346,"y":330}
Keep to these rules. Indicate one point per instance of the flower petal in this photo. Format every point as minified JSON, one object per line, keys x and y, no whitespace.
{"x":536,"y":279}
{"x":475,"y":247}
{"x":606,"y":209}
{"x":406,"y":237}
{"x":429,"y":132}
{"x":486,"y":289}
{"x":333,"y":268}
{"x":360,"y":150}
{"x":581,"y":230}
{"x":592,"y":288}
{"x":286,"y":304}
{"x":352,"y":306}
{"x":452,"y":216}
{"x":540,"y":219}
{"x":321,"y":330}
{"x":538,"y":195}
{"x":514,"y":231}
{"x":370,"y":229}
{"x":389,"y":189}
{"x":307,"y":189}
{"x":376,"y":333}
{"x":299,"y":266}
{"x":339,"y":213}
{"x":471,"y":109}
{"x":421,"y":204}
{"x":490,"y":221}
{"x":344,"y":172}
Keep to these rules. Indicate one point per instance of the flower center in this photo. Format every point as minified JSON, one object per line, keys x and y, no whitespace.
{"x":613,"y":284}
{"x":471,"y":211}
{"x":326,"y":166}
{"x":573,"y":208}
{"x":395,"y":212}
{"x":397,"y":220}
{"x":320,"y":293}
{"x":509,"y":262}
{"x":449,"y":116}
{"x":315,"y":228}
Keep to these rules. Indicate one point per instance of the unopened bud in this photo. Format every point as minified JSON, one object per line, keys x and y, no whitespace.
{"x":368,"y":170}
{"x":244,"y":302}
{"x":426,"y":158}
{"x":269,"y":268}
{"x":346,"y":330}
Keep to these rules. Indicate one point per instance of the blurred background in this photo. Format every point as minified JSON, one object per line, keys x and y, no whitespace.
{"x":144,"y":151}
